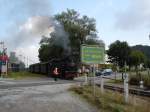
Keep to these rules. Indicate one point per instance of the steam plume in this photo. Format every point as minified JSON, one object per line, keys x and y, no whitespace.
{"x":35,"y":22}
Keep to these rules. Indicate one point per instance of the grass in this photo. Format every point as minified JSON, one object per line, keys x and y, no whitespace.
{"x":23,"y":75}
{"x":118,"y":81}
{"x":110,"y":101}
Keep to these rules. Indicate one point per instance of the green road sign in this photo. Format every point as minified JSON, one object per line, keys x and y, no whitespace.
{"x":92,"y":54}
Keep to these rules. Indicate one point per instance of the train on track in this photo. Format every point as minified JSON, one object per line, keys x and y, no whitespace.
{"x":66,"y":67}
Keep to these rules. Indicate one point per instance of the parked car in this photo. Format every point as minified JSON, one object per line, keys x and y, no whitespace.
{"x":99,"y":72}
{"x":103,"y":72}
{"x":107,"y":72}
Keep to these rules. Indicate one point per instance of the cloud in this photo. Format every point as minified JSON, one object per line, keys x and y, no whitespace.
{"x":24,"y":53}
{"x":25,"y":38}
{"x":31,"y":20}
{"x":29,"y":32}
{"x":137,"y":15}
{"x":26,"y":7}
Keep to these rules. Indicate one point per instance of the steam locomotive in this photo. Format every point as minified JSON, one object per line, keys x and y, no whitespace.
{"x":67,"y":68}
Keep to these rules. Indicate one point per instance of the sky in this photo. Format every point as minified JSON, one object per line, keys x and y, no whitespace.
{"x":23,"y":22}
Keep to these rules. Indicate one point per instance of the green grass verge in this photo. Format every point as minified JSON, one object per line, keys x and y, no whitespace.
{"x":23,"y":75}
{"x":118,"y":81}
{"x":110,"y":101}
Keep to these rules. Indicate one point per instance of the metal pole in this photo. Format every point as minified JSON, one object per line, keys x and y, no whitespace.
{"x":94,"y":78}
{"x":6,"y":67}
{"x":27,"y":61}
{"x":6,"y":64}
{"x":2,"y":57}
{"x":85,"y":74}
{"x":126,"y":90}
{"x":24,"y":62}
{"x":102,"y":84}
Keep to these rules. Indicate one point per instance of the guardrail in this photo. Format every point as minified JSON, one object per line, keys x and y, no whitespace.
{"x":131,"y":90}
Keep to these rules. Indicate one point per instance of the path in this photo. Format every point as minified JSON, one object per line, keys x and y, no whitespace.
{"x":44,"y":98}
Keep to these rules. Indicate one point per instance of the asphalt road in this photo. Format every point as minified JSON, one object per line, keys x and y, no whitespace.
{"x":41,"y":95}
{"x":10,"y":83}
{"x":43,"y":98}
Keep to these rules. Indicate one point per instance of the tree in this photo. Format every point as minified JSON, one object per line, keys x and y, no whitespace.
{"x":44,"y":53}
{"x":78,"y":29}
{"x":48,"y":52}
{"x":136,"y":58}
{"x":118,"y":53}
{"x":146,"y":51}
{"x":147,"y":63}
{"x":143,"y":48}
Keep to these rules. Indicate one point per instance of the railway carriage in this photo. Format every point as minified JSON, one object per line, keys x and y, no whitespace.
{"x":66,"y":68}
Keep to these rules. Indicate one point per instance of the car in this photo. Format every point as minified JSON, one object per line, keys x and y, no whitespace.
{"x":98,"y":72}
{"x":107,"y":72}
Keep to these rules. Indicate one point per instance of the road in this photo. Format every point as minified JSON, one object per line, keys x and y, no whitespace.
{"x":10,"y":83}
{"x":42,"y":95}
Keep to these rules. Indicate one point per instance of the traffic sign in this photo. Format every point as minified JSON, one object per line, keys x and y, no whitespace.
{"x":92,"y":54}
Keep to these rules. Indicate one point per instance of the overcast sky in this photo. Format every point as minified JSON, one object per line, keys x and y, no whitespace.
{"x":20,"y":20}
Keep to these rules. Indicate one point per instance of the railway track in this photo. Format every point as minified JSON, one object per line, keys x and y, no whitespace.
{"x":131,"y":90}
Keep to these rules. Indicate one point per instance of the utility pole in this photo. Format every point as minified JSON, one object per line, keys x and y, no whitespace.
{"x":27,"y":62}
{"x":148,"y":66}
{"x":4,"y":66}
{"x":24,"y":61}
{"x":2,"y":46}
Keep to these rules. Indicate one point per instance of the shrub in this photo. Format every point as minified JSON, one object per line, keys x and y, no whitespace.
{"x":135,"y":79}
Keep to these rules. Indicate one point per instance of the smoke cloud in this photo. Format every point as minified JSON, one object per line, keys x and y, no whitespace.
{"x":32,"y":30}
{"x":33,"y":21}
{"x":60,"y":37}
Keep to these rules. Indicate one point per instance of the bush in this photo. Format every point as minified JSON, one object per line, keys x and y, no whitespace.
{"x":147,"y":82}
{"x":135,"y":79}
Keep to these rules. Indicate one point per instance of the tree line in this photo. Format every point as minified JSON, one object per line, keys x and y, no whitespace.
{"x":78,"y":29}
{"x":81,"y":29}
{"x":120,"y":53}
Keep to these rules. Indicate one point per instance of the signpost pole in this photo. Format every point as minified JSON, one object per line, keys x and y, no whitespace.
{"x":85,"y":75}
{"x":102,"y":84}
{"x":6,"y":67}
{"x":94,"y":78}
{"x":86,"y":79}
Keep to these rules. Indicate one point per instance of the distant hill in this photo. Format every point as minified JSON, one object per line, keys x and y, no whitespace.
{"x":145,"y":49}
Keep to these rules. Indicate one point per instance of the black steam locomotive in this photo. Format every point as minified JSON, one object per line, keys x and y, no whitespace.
{"x":67,"y":69}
